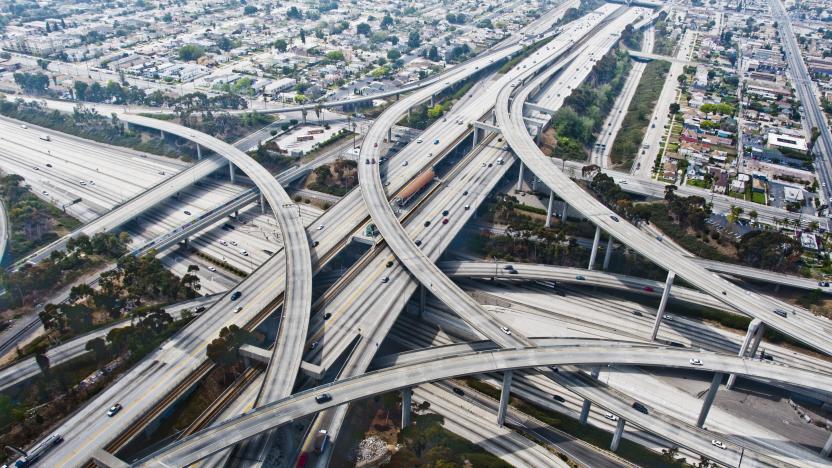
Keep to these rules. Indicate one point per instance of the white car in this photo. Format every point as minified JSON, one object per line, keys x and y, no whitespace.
{"x":404,"y":163}
{"x":243,"y":253}
{"x":718,"y":443}
{"x":667,"y":317}
{"x":505,"y":330}
{"x":611,"y":417}
{"x":320,"y":227}
{"x":234,"y":243}
{"x":238,"y":309}
{"x":210,"y":268}
{"x":419,"y":140}
{"x":695,"y":362}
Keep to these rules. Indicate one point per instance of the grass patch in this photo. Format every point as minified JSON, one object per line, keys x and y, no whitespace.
{"x":628,"y":140}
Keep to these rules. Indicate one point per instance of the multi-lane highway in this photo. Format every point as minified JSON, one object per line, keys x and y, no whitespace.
{"x":208,"y":441}
{"x":812,"y":113}
{"x":802,"y":326}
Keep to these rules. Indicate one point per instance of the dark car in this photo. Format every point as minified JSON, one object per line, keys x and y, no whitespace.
{"x":458,"y":391}
{"x":327,"y":315}
{"x":640,"y":408}
{"x":236,"y":295}
{"x":200,"y":309}
{"x":614,"y":218}
{"x":637,"y":313}
{"x":418,"y":242}
{"x":558,"y":398}
{"x":445,"y":221}
{"x":445,"y":212}
{"x":323,"y":398}
{"x":427,"y":223}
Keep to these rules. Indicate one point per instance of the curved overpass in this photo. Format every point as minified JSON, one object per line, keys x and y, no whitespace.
{"x":271,"y":415}
{"x":509,"y":110}
{"x":297,"y":301}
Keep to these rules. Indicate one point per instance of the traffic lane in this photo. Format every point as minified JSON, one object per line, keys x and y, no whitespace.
{"x":205,"y":442}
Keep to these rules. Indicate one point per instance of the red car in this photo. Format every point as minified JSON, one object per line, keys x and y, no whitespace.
{"x":445,"y":221}
{"x":648,"y":289}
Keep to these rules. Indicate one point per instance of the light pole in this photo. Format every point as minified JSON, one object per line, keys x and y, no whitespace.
{"x":495,"y":266}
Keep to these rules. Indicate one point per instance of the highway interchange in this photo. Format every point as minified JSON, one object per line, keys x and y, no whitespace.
{"x":361,"y":309}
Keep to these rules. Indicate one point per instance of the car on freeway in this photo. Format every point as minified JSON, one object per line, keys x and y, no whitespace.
{"x":467,"y":207}
{"x":385,"y":280}
{"x":458,"y":391}
{"x":48,"y":165}
{"x":614,"y":218}
{"x":238,"y":309}
{"x":418,"y":242}
{"x":83,"y":183}
{"x":505,"y":330}
{"x":367,"y":161}
{"x":823,"y":284}
{"x":427,"y":223}
{"x":44,"y":192}
{"x":558,"y":398}
{"x":667,"y":317}
{"x":580,"y":278}
{"x":781,"y":313}
{"x":200,"y":310}
{"x":508,"y":267}
{"x":323,"y":398}
{"x":187,"y":212}
{"x":718,"y":443}
{"x":640,"y":408}
{"x":418,"y":140}
{"x":320,"y":227}
{"x":92,"y":182}
{"x":695,"y":362}
{"x":436,"y":141}
{"x":465,"y":193}
{"x":445,"y":221}
{"x":24,"y":126}
{"x":404,"y":164}
{"x":637,"y":313}
{"x":244,"y":253}
{"x":210,"y":268}
{"x":648,"y":288}
{"x":236,"y":295}
{"x":327,"y":315}
{"x":445,"y":212}
{"x":313,"y":345}
{"x":611,"y":417}
{"x":114,"y":410}
{"x":316,"y":243}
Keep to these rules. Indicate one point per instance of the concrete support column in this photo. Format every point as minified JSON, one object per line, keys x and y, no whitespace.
{"x":162,"y":134}
{"x":608,"y":253}
{"x":476,"y":137}
{"x":549,"y":209}
{"x":262,"y":204}
{"x":668,"y":283}
{"x":231,"y":172}
{"x":758,"y":337}
{"x":587,"y":404}
{"x":520,"y":177}
{"x":749,"y":336}
{"x":390,"y":134}
{"x":565,"y":211}
{"x":616,"y":436}
{"x":408,"y":113}
{"x":303,"y":116}
{"x":594,"y":251}
{"x":504,"y":396}
{"x":493,"y":117}
{"x":432,"y":100}
{"x":422,"y":298}
{"x":827,"y":447}
{"x":709,"y":400}
{"x":407,"y":393}
{"x":198,"y":152}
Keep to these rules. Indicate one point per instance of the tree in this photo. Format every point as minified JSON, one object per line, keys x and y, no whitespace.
{"x":190,"y":52}
{"x":393,"y":54}
{"x":363,"y":29}
{"x":225,"y":44}
{"x":249,"y":10}
{"x":674,"y":107}
{"x":280,"y":45}
{"x":80,"y":90}
{"x":294,"y":14}
{"x":414,"y":39}
{"x":433,"y":54}
{"x":303,"y":36}
{"x":682,"y":79}
{"x":42,"y":360}
{"x":32,"y":83}
{"x":98,"y":347}
{"x":387,"y":21}
{"x":335,"y":56}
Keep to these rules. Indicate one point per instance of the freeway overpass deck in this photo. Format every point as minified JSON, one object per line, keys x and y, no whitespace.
{"x":211,"y":440}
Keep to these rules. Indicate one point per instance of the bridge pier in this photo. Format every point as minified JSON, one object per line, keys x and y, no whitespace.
{"x":476,"y":137}
{"x":587,"y":404}
{"x":565,"y":211}
{"x":616,"y":436}
{"x":520,"y":178}
{"x":750,"y":335}
{"x":198,"y":152}
{"x":390,"y":134}
{"x":549,"y":208}
{"x":758,"y":337}
{"x":407,"y":394}
{"x":432,"y":100}
{"x":231,"y":172}
{"x":422,"y":299}
{"x":668,"y":283}
{"x":594,"y":252}
{"x":162,"y":134}
{"x":827,"y":447}
{"x":104,"y":459}
{"x":504,"y":397}
{"x":608,"y":254}
{"x":493,"y":117}
{"x":262,"y":204}
{"x":709,"y":400}
{"x":303,"y":116}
